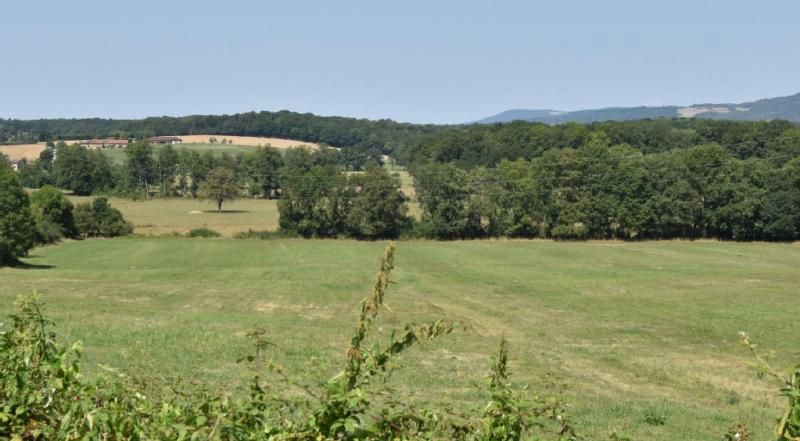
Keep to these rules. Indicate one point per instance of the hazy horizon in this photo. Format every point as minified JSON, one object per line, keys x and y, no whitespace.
{"x":448,"y":62}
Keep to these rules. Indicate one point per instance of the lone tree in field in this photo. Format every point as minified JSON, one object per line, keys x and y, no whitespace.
{"x":17,"y":226}
{"x":219,"y":186}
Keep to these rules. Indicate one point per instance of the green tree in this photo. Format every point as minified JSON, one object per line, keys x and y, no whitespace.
{"x":219,"y":186}
{"x":17,"y":226}
{"x":263,"y":166}
{"x":99,"y":219}
{"x":73,"y":169}
{"x":443,"y":191}
{"x":167,"y":166}
{"x":314,"y":197}
{"x":140,"y":166}
{"x":53,"y":212}
{"x":378,"y":208}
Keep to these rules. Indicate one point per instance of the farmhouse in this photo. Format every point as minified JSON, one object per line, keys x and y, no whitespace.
{"x":164,"y":140}
{"x":98,"y":144}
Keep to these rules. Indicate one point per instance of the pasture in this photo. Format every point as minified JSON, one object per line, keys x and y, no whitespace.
{"x":634,"y":329}
{"x":166,"y":216}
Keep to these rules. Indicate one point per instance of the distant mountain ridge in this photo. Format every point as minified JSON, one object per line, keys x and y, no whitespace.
{"x":787,"y":108}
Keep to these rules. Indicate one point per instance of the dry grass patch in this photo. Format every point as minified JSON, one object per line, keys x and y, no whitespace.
{"x":20,"y":151}
{"x":251,"y":141}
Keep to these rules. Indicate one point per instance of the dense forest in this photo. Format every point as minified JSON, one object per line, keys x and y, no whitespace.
{"x":664,"y":178}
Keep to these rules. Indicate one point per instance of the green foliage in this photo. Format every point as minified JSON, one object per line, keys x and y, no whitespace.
{"x":140,"y":167}
{"x":220,"y":185}
{"x":17,"y":224}
{"x":604,"y":192}
{"x":167,"y":169}
{"x":53,"y":212}
{"x":514,"y":414}
{"x":450,"y":206}
{"x":318,"y":200}
{"x":264,"y":234}
{"x":99,"y":219}
{"x":378,"y":209}
{"x":654,"y":418}
{"x":202,"y":232}
{"x":79,"y":170}
{"x":788,"y":427}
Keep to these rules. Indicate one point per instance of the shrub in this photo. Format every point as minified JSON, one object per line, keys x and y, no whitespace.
{"x":99,"y":219}
{"x":654,"y":418}
{"x":202,"y":232}
{"x":264,"y":234}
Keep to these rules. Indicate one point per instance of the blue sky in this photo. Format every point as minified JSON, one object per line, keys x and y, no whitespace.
{"x":421,"y":61}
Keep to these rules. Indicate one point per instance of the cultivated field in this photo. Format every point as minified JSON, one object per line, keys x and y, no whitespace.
{"x":635,"y":329}
{"x":251,"y":141}
{"x":20,"y":151}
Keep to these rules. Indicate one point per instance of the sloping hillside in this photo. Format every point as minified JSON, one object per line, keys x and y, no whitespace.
{"x":787,"y":108}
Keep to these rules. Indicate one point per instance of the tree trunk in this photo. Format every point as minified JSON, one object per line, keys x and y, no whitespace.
{"x":219,"y":206}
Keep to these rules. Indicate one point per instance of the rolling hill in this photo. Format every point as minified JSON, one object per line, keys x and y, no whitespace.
{"x":787,"y":108}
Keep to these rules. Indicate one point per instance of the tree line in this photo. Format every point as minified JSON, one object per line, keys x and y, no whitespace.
{"x":599,"y":191}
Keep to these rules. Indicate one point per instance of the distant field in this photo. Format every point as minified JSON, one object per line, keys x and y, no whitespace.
{"x":164,"y":216}
{"x":633,"y":328}
{"x":251,"y":141}
{"x":28,"y":151}
{"x":192,"y":142}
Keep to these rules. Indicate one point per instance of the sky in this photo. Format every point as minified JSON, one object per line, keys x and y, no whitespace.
{"x":434,"y":61}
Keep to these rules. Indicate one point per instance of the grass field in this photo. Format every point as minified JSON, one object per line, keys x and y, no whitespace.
{"x":164,"y":216}
{"x":634,"y":328}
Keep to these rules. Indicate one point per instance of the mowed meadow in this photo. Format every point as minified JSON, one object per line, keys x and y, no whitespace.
{"x":642,"y":333}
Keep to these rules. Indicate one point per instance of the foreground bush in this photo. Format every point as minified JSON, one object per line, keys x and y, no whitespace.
{"x":44,"y":397}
